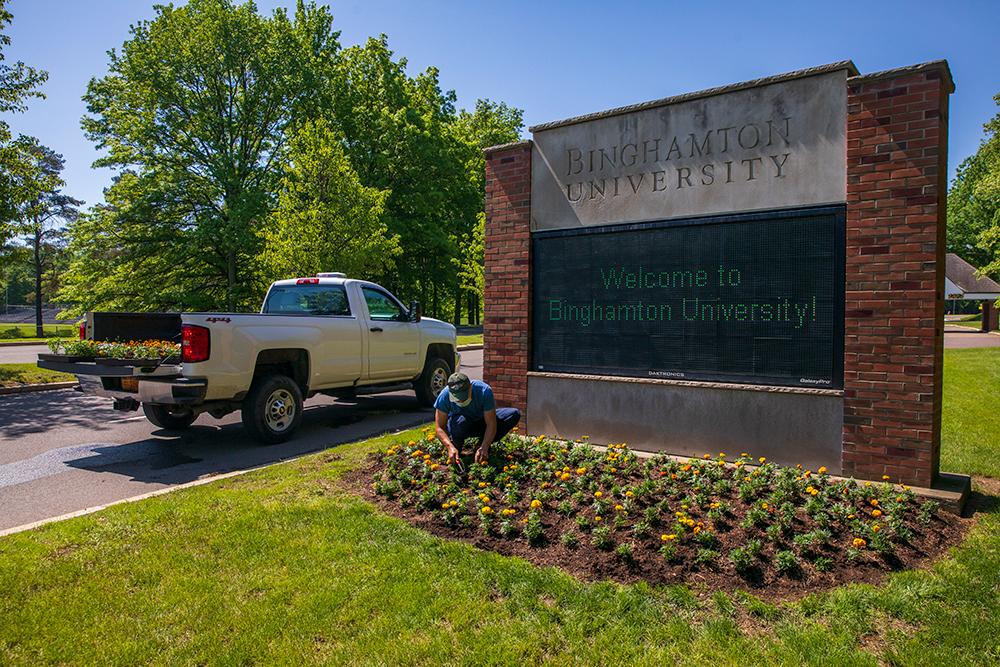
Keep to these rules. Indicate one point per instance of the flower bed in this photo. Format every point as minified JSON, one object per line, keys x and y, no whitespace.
{"x":152,"y":350}
{"x":728,"y":521}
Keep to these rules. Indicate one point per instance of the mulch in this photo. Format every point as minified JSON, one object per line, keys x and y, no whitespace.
{"x":588,"y":563}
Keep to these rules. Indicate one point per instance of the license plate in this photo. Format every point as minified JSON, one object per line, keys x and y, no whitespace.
{"x":130,"y":384}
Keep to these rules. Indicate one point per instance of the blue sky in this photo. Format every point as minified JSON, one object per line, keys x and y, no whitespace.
{"x":557,"y":59}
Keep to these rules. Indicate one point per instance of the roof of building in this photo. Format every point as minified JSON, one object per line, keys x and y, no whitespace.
{"x":963,"y":275}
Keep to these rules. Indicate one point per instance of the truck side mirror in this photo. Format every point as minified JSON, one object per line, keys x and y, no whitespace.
{"x":415,"y":311}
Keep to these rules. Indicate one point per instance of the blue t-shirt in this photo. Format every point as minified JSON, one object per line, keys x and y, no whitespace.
{"x":481,"y":403}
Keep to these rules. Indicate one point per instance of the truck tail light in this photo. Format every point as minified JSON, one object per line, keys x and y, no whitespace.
{"x":195,"y":343}
{"x":83,"y":330}
{"x":307,"y":281}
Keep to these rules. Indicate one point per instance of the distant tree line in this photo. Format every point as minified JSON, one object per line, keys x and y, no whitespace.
{"x":248,"y":148}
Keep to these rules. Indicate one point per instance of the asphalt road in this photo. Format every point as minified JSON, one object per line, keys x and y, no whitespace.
{"x":61,"y":451}
{"x":20,"y":354}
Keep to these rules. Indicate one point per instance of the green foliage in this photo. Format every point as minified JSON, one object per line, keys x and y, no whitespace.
{"x":195,"y":113}
{"x":18,"y":84}
{"x":326,"y":219}
{"x":786,"y":562}
{"x":570,"y":539}
{"x":601,"y":538}
{"x":625,"y":552}
{"x":974,"y":204}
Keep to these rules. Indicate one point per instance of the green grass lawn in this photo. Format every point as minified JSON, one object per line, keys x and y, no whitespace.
{"x":970,"y":425}
{"x":12,"y":375}
{"x":471,"y":339}
{"x":283,"y":566}
{"x":26,"y":332}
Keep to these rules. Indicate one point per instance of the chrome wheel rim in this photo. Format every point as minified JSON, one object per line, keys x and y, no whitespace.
{"x":439,"y":378}
{"x":279,"y":412}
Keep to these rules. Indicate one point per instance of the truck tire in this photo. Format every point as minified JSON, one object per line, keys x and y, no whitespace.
{"x":432,"y":381}
{"x":272,"y":410}
{"x":172,"y":419}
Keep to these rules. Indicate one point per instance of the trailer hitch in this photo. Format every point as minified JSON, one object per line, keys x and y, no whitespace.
{"x":126,"y":404}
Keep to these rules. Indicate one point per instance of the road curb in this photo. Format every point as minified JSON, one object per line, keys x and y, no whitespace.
{"x":19,"y":343}
{"x":31,"y":388}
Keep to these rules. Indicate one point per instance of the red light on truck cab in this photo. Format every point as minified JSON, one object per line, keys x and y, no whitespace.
{"x":307,"y":281}
{"x":195,"y":343}
{"x":83,"y":330}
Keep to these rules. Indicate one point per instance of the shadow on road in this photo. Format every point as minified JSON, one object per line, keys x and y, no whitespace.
{"x":40,"y":412}
{"x":206,"y":449}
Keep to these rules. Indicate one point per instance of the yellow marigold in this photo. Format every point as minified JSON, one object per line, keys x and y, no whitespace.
{"x":858,"y":542}
{"x":885,"y":478}
{"x":814,"y":492}
{"x":412,"y":443}
{"x":434,"y":466}
{"x":614,"y":470}
{"x":629,"y":494}
{"x":822,"y":470}
{"x":566,"y":477}
{"x":618,"y":508}
{"x":744,"y":454}
{"x":430,"y":437}
{"x":850,"y":516}
{"x":876,"y":512}
{"x":762,"y":459}
{"x":697,"y":529}
{"x":581,"y":471}
{"x":535,"y":504}
{"x":482,"y":485}
{"x":876,"y":527}
{"x":487,"y":510}
{"x":598,"y":494}
{"x":763,"y":506}
{"x":722,"y":455}
{"x":597,"y":518}
{"x":667,"y":538}
{"x":706,"y":456}
{"x":445,"y":506}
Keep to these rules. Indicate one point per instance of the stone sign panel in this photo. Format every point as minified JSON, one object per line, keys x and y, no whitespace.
{"x":763,"y":147}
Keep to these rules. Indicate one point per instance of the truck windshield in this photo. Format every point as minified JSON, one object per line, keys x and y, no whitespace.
{"x":307,"y":300}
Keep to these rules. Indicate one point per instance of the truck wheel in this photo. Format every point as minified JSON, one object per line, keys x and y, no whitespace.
{"x":172,"y":419}
{"x":273,"y":409}
{"x":432,"y":381}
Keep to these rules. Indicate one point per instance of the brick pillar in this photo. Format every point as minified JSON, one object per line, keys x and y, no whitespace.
{"x":507,"y":304}
{"x":897,"y":130}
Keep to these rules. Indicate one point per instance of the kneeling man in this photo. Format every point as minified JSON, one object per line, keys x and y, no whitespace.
{"x":466,"y":409}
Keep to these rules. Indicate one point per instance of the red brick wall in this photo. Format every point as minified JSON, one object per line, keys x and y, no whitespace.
{"x":896,"y":168}
{"x":506,"y":310}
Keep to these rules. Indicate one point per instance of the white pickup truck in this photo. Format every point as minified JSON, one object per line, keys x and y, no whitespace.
{"x":319,"y":335}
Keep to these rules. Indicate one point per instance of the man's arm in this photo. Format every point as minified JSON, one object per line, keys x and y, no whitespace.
{"x":483,"y":453}
{"x":441,"y":430}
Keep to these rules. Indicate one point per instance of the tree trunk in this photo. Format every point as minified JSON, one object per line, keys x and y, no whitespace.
{"x":39,"y":329}
{"x":230,"y":291}
{"x":457,"y":320}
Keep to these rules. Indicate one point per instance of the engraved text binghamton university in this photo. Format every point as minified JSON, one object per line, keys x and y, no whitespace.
{"x":740,"y":153}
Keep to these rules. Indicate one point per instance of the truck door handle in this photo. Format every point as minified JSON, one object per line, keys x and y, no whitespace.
{"x":375,"y":329}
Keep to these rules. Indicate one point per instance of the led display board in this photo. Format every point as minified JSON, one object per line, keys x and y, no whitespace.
{"x":756,"y":298}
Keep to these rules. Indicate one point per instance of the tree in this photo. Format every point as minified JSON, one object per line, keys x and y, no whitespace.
{"x":974,"y":204}
{"x":490,"y":124}
{"x":44,"y":204}
{"x":403,"y":134}
{"x":326,"y":219}
{"x":195,"y":113}
{"x":18,"y":83}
